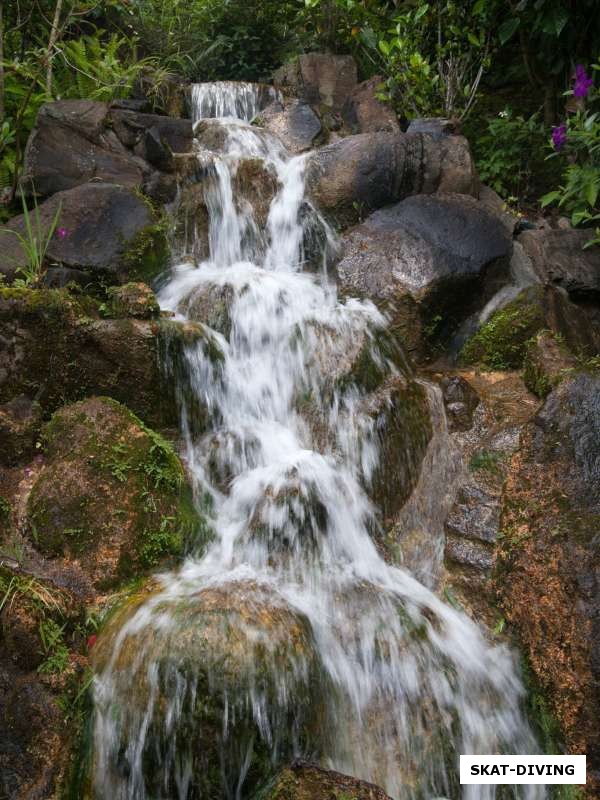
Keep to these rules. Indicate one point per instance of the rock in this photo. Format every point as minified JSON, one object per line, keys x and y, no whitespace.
{"x":78,"y":130}
{"x":132,"y":128}
{"x":434,"y":126}
{"x":501,"y":343}
{"x":460,"y":401}
{"x":428,"y":261}
{"x":547,"y":362}
{"x":494,"y":203}
{"x":55,"y":348}
{"x":559,"y":259}
{"x":400,"y":414}
{"x":112,"y":494}
{"x":107,"y":231}
{"x":133,"y":300}
{"x":294,"y":122}
{"x":210,"y":304}
{"x":319,"y":79}
{"x":304,"y":781}
{"x":548,"y":577}
{"x":356,"y":175}
{"x":363,"y":112}
{"x":230,"y":646}
{"x":20,"y":421}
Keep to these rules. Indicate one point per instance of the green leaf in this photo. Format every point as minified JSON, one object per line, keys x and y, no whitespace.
{"x":549,"y":198}
{"x":507,"y":29}
{"x":473,"y":39}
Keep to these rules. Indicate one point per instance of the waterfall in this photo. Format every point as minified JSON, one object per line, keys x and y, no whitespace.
{"x":230,"y":99}
{"x":290,"y":636}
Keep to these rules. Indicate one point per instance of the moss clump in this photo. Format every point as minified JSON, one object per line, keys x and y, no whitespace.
{"x":131,"y":300}
{"x":502,"y":342}
{"x":547,"y":362}
{"x":113,"y":494}
{"x":146,"y":255}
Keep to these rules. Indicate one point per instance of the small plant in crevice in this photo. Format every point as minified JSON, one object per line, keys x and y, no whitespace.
{"x":54,"y":649}
{"x":34,"y":244}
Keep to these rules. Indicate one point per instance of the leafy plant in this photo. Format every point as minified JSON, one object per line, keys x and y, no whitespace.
{"x":54,"y":649}
{"x":34,"y":244}
{"x":507,"y":152}
{"x":578,"y":141}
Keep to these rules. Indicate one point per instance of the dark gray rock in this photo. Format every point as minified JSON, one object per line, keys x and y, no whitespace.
{"x":433,"y":126}
{"x":469,"y":553}
{"x":460,"y":401}
{"x":72,"y":143}
{"x":363,"y":112}
{"x":358,"y":174}
{"x":558,"y":258}
{"x":104,"y":230}
{"x":20,"y":422}
{"x":294,"y":122}
{"x":131,"y":127}
{"x":429,"y":261}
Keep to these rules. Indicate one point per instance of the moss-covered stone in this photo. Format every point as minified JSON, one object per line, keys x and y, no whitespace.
{"x":303,"y":781}
{"x":133,"y":300}
{"x":234,"y":651}
{"x":146,"y":255}
{"x":112,"y":494}
{"x":547,"y":362}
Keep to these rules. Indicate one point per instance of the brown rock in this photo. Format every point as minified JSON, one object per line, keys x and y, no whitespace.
{"x":547,"y":363}
{"x":319,"y":78}
{"x":363,"y":112}
{"x":304,"y":781}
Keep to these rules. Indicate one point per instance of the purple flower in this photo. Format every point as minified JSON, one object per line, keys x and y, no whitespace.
{"x":559,"y":136}
{"x":62,"y":233}
{"x":583,"y":83}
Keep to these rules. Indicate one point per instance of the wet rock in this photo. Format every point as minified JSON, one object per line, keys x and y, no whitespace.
{"x":132,"y":128}
{"x":294,"y":122}
{"x":55,"y":348}
{"x":501,"y":343}
{"x":256,"y":185}
{"x":20,"y":421}
{"x":210,"y":305}
{"x":111,"y":495}
{"x":548,"y":563}
{"x":319,"y":79}
{"x":434,"y":126}
{"x":547,"y":362}
{"x":460,"y":401}
{"x":356,"y":175}
{"x":89,"y":149}
{"x":228,"y":646}
{"x":428,"y":261}
{"x":402,"y":425}
{"x":304,"y":781}
{"x":363,"y":112}
{"x":559,"y":259}
{"x":133,"y":300}
{"x":104,"y":230}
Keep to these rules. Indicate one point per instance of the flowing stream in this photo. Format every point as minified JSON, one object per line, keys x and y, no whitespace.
{"x":290,"y":636}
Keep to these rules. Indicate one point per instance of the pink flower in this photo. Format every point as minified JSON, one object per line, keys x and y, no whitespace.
{"x":559,"y":136}
{"x":91,"y":641}
{"x":583,"y":83}
{"x":62,"y":233}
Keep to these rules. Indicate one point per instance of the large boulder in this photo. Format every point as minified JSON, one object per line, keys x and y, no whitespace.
{"x":96,"y":142}
{"x":363,"y":112}
{"x":236,"y":651}
{"x":428,"y":261}
{"x":105,"y":233}
{"x":304,"y":781}
{"x":502,"y":342}
{"x":319,"y":79}
{"x":356,"y":175}
{"x":55,"y":349}
{"x":294,"y":122}
{"x":111,"y":495}
{"x":548,"y":574}
{"x":559,"y":258}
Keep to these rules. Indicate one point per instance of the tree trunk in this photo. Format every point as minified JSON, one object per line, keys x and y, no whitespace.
{"x":2,"y":108}
{"x":51,"y":43}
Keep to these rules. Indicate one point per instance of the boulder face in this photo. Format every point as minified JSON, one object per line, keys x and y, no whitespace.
{"x":559,"y":258}
{"x":548,"y":565}
{"x":96,"y":142}
{"x":319,"y":79}
{"x":363,"y":112}
{"x":104,"y":231}
{"x":428,"y":261}
{"x":358,"y":174}
{"x":111,"y":493}
{"x":294,"y":122}
{"x":304,"y":781}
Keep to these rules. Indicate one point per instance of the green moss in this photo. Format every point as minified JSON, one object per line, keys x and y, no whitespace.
{"x":147,"y":253}
{"x":502,"y":342}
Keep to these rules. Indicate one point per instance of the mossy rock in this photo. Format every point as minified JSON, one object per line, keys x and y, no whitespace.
{"x":188,"y":661}
{"x":147,"y":254}
{"x":133,"y":300}
{"x":303,"y":781}
{"x":112,"y":494}
{"x":547,"y":362}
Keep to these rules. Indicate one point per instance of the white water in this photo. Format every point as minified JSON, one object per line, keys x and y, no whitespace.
{"x":230,"y":99}
{"x":410,"y":682}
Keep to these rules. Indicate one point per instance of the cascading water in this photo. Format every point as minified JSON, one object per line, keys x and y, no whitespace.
{"x":291,"y":636}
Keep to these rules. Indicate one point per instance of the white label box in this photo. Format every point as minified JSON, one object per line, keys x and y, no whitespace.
{"x":522,"y":769}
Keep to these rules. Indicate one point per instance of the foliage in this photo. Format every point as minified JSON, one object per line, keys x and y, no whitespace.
{"x":54,"y":649}
{"x":34,"y":244}
{"x":507,"y":152}
{"x":578,"y":142}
